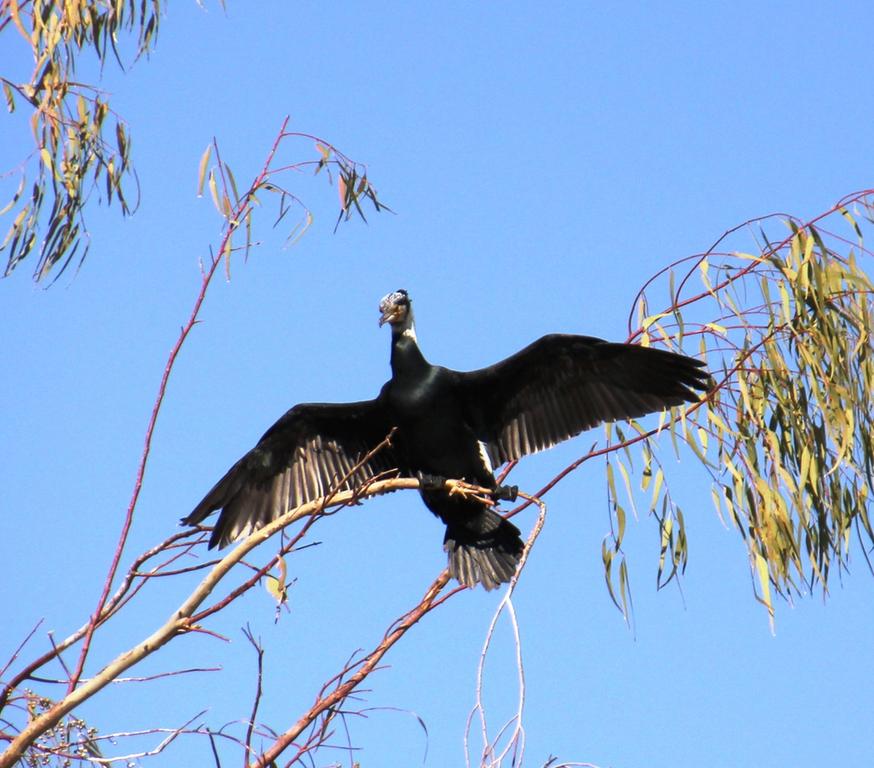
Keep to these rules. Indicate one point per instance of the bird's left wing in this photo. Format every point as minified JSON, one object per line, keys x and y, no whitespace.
{"x":562,"y":384}
{"x":312,"y":450}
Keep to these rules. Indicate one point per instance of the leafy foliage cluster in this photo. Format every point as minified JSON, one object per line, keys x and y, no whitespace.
{"x":787,"y":435}
{"x":79,"y":145}
{"x":237,"y":209}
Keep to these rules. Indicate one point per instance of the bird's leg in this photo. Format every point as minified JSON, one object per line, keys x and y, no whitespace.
{"x":432,"y":482}
{"x":506,"y":493}
{"x":464,"y":489}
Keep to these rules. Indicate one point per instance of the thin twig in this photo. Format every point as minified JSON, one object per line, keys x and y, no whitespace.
{"x":506,"y":602}
{"x":20,"y":647}
{"x":172,"y":734}
{"x":259,"y":651}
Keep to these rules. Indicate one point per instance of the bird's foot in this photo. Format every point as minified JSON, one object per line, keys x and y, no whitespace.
{"x":506,"y":493}
{"x":471,"y":491}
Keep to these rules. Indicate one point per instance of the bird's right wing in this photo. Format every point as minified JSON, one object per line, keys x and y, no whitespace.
{"x":562,"y":384}
{"x":302,"y":457}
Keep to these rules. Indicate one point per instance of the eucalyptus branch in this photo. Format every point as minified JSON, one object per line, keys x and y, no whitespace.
{"x":364,"y":668}
{"x":118,"y":599}
{"x":181,"y":620}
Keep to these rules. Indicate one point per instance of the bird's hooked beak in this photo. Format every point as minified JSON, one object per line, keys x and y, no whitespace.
{"x":394,"y":308}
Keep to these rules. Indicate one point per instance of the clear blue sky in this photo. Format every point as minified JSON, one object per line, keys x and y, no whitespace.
{"x":542,"y":160}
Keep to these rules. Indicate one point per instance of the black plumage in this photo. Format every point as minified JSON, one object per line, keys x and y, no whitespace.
{"x":449,"y":424}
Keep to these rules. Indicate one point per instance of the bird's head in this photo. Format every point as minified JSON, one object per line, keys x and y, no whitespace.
{"x":396,"y":309}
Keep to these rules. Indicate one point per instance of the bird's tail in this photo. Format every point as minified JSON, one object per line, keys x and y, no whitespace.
{"x":484,"y":550}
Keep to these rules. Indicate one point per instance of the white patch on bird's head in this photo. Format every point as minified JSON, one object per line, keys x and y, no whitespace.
{"x":397,"y":310}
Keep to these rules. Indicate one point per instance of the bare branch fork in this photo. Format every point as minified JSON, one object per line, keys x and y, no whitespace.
{"x":180,"y":621}
{"x":516,"y":742}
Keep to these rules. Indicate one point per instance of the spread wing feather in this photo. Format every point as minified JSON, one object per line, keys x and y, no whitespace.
{"x":302,"y":457}
{"x":562,"y":384}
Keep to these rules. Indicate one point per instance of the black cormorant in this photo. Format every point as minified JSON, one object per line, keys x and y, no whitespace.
{"x":449,"y":424}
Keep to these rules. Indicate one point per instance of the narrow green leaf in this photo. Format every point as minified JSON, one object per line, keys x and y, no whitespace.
{"x":213,"y":190}
{"x":704,"y":269}
{"x":657,"y":488}
{"x":276,"y":589}
{"x":46,"y":157}
{"x":666,"y":526}
{"x":10,"y":97}
{"x":765,"y":586}
{"x":201,"y":173}
{"x":248,"y":218}
{"x":233,"y":182}
{"x":720,"y":329}
{"x":607,"y":555}
{"x":300,"y":229}
{"x":15,"y":198}
{"x":648,"y":321}
{"x":626,"y":479}
{"x":276,"y":585}
{"x":620,"y":526}
{"x":717,"y":504}
{"x":625,"y":590}
{"x":225,"y":253}
{"x":16,"y":226}
{"x":121,"y":141}
{"x":848,"y":216}
{"x":681,"y":551}
{"x":808,"y":247}
{"x":342,"y":192}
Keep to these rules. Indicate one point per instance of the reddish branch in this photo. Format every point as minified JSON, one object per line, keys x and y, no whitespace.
{"x":676,"y":304}
{"x":123,"y":594}
{"x":238,"y":214}
{"x":365,"y":667}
